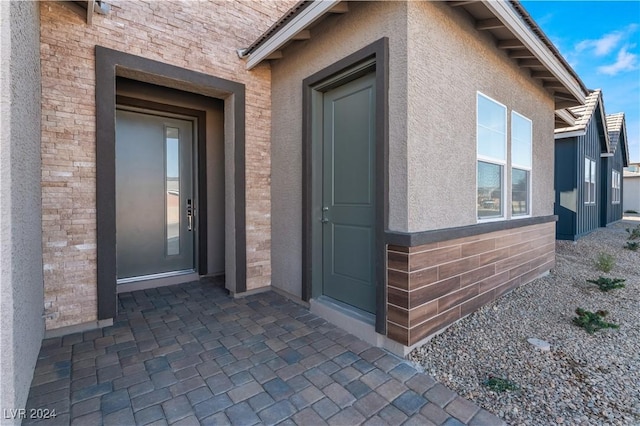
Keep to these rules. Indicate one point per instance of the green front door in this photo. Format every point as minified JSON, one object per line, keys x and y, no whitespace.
{"x":348,"y":195}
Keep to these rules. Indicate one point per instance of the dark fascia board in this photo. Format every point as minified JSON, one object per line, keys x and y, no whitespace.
{"x":108,"y":64}
{"x":413,"y":239}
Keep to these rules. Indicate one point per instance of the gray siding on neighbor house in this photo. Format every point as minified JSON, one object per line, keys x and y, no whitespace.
{"x":22,"y":301}
{"x":610,"y":212}
{"x":581,"y":218}
{"x":566,"y":181}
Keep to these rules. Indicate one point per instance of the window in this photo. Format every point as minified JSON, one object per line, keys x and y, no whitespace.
{"x":521,"y":135}
{"x":491,"y":133}
{"x":589,"y":181}
{"x":615,"y":186}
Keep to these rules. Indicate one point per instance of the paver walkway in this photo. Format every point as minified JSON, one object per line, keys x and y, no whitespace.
{"x":191,"y":354}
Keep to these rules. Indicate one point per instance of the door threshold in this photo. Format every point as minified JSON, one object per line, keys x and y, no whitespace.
{"x":346,"y":309}
{"x":353,"y":320}
{"x":157,"y":280}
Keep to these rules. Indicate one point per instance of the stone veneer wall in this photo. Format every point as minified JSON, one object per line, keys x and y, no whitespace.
{"x":200,"y":36}
{"x":433,"y":285}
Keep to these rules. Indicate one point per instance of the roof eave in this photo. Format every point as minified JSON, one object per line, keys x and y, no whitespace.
{"x":572,"y":134}
{"x":298,"y":22}
{"x":566,"y":116}
{"x":512,"y":20}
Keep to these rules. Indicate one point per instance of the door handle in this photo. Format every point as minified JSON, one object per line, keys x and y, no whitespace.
{"x":189,"y":215}
{"x":324,"y":219}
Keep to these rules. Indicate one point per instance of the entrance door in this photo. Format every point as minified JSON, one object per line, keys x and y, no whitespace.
{"x":348,"y":234}
{"x":155,"y":206}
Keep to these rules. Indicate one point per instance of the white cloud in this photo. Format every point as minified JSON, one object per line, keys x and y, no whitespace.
{"x":601,"y":46}
{"x":607,"y":43}
{"x":625,"y":61}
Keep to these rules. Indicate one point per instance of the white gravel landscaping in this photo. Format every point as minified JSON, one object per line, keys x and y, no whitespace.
{"x":583,"y":379}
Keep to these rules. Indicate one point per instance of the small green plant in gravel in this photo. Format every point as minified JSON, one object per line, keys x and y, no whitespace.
{"x":498,"y":384}
{"x":592,"y":321}
{"x":606,"y":284}
{"x":605,"y":262}
{"x":632,"y":245}
{"x":634,"y":233}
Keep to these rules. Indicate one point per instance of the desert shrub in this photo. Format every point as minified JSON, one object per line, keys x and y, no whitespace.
{"x":605,"y":262}
{"x":499,"y":384}
{"x":592,"y":321}
{"x":634,"y":233}
{"x":632,"y":245}
{"x":606,"y":284}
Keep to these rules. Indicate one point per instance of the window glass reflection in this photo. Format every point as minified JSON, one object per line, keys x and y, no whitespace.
{"x":489,"y":190}
{"x":172,"y":174}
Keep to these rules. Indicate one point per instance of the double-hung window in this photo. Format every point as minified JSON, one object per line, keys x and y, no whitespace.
{"x":615,"y":186}
{"x":589,"y":181}
{"x":491,"y":136}
{"x":521,"y":136}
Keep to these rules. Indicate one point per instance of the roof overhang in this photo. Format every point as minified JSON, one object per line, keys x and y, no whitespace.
{"x":524,"y":42}
{"x":288,"y":29}
{"x":573,"y":134}
{"x":566,"y":116}
{"x":511,"y":26}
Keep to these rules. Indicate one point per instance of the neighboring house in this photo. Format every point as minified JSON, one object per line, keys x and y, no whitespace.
{"x":631,"y":188}
{"x":389,"y":163}
{"x":578,"y":149}
{"x":612,"y":166}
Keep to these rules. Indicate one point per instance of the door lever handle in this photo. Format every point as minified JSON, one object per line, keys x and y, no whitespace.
{"x":324,"y":220}
{"x":189,"y":215}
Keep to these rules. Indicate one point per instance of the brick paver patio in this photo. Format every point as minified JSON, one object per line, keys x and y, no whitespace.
{"x":191,"y":354}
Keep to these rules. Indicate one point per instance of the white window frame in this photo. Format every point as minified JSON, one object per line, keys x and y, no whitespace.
{"x":492,"y":160}
{"x":590,"y":172}
{"x":615,"y":186}
{"x":528,"y":169}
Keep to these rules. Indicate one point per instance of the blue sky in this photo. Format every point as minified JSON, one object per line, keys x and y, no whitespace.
{"x":601,"y":41}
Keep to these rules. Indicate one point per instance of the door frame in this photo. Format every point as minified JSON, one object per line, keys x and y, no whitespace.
{"x":199,"y":172}
{"x":372,"y":58}
{"x":111,"y":64}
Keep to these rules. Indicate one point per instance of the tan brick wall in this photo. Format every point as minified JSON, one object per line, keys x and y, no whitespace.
{"x":433,"y":285}
{"x":200,"y":36}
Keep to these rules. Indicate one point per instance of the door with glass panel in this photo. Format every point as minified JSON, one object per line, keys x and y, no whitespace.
{"x":155,"y":206}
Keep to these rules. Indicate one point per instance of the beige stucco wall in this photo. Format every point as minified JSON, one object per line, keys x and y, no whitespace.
{"x":334,"y":39}
{"x":438,"y":63}
{"x":21,"y":292}
{"x":449,"y":62}
{"x":631,"y":193}
{"x":200,"y":36}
